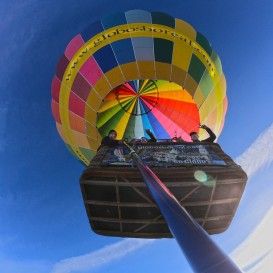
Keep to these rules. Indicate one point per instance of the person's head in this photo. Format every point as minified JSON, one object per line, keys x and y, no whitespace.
{"x":143,"y":140}
{"x":112,"y":134}
{"x":194,"y":136}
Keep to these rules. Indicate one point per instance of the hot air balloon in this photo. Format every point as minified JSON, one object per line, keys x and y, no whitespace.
{"x":148,"y":74}
{"x":132,"y":71}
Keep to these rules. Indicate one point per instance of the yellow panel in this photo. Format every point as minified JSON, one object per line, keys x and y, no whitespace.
{"x":216,"y":96}
{"x":203,"y":112}
{"x":93,"y":101}
{"x":223,"y":83}
{"x":93,"y":137}
{"x":190,"y":85}
{"x":199,"y":97}
{"x":220,"y":110}
{"x":109,"y":105}
{"x":211,"y":101}
{"x":94,"y":144}
{"x":163,"y":71}
{"x":146,"y":70}
{"x":212,"y":120}
{"x":61,"y":132}
{"x":183,"y":27}
{"x":91,"y":130}
{"x":178,"y":75}
{"x":182,"y":53}
{"x":130,"y":71}
{"x":90,"y":115}
{"x":115,"y":77}
{"x":121,"y":126}
{"x":102,"y":87}
{"x":83,"y":140}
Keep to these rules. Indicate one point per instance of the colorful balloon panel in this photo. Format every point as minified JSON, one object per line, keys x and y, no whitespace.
{"x":134,"y":71}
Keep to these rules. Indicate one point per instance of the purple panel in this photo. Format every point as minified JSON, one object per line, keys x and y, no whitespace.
{"x":61,"y":67}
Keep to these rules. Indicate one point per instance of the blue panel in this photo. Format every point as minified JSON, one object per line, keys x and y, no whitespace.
{"x":159,"y":131}
{"x":143,"y":42}
{"x":144,"y":54}
{"x":146,"y":124}
{"x":143,"y":48}
{"x":123,"y":51}
{"x":133,"y":84}
{"x":163,"y":19}
{"x":114,"y":20}
{"x":105,"y":58}
{"x":138,"y":16}
{"x":92,"y":30}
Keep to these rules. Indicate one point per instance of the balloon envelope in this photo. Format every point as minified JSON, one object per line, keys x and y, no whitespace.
{"x":134,"y":71}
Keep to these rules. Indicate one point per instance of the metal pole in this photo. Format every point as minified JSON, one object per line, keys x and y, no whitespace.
{"x":202,"y":253}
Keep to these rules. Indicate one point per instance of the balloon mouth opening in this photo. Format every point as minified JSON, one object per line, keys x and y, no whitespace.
{"x":164,"y":107}
{"x":142,"y":93}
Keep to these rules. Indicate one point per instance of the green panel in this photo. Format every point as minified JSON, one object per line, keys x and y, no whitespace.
{"x":163,"y":19}
{"x":217,"y":62}
{"x":202,"y":40}
{"x":111,"y":123}
{"x":196,"y":69}
{"x":130,"y":129}
{"x":163,"y":50}
{"x":106,"y":115}
{"x":87,"y":153}
{"x":206,"y":83}
{"x":126,"y":105}
{"x":70,"y":150}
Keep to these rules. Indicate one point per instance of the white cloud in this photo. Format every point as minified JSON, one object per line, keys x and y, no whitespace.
{"x":259,"y":154}
{"x":100,"y":257}
{"x":255,"y":254}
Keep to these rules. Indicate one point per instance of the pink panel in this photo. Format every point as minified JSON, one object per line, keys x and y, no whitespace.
{"x":75,"y":44}
{"x":55,"y":88}
{"x":169,"y":126}
{"x":91,"y":71}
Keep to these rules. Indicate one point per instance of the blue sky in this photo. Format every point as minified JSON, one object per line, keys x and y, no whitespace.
{"x":43,"y":224}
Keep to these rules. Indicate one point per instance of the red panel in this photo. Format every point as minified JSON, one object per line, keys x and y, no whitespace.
{"x":184,"y":114}
{"x":55,"y":111}
{"x":75,"y":44}
{"x":76,"y":105}
{"x":55,"y":88}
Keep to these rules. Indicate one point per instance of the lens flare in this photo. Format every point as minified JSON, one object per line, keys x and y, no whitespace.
{"x":200,"y":176}
{"x":207,"y":180}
